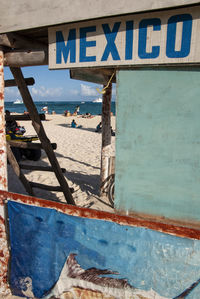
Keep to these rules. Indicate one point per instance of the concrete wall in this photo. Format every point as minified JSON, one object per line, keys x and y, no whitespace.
{"x":22,"y":14}
{"x":158,"y":143}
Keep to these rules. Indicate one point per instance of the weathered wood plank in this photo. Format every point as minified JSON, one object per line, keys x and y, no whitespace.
{"x":45,"y":187}
{"x":11,"y":83}
{"x":18,"y":41}
{"x":106,"y":136}
{"x":99,"y":76}
{"x":3,"y":158}
{"x":29,"y":145}
{"x":17,"y":170}
{"x":38,"y":167}
{"x":18,"y":76}
{"x":48,"y":187}
{"x":24,"y":117}
{"x":26,"y":58}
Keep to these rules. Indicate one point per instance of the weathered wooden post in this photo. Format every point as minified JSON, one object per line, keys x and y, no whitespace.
{"x":106,"y":136}
{"x":3,"y":158}
{"x":4,"y":254}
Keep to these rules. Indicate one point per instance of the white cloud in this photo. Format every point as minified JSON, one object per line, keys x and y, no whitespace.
{"x":74,"y":92}
{"x":89,"y":91}
{"x":11,"y":93}
{"x":47,"y":92}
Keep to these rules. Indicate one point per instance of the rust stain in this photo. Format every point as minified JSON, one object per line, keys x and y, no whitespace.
{"x":2,"y":221}
{"x":3,"y":182}
{"x":4,"y":257}
{"x":173,"y":229}
{"x":3,"y":168}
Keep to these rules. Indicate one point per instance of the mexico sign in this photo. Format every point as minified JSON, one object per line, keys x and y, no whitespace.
{"x":167,"y":37}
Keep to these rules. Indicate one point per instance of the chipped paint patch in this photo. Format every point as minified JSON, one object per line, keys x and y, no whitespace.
{"x":4,"y":256}
{"x":172,"y":229}
{"x":178,"y":230}
{"x":4,"y":252}
{"x":3,"y":156}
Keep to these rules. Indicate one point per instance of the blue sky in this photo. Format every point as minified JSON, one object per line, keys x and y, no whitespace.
{"x":54,"y":85}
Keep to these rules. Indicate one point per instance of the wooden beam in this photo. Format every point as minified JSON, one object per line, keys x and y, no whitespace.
{"x":18,"y":41}
{"x":3,"y":156}
{"x":25,"y":58}
{"x":37,"y":124}
{"x":106,"y":137}
{"x":99,"y":76}
{"x":23,"y":117}
{"x":46,"y":187}
{"x":11,"y":83}
{"x":17,"y":170}
{"x":39,"y":168}
{"x":28,"y":145}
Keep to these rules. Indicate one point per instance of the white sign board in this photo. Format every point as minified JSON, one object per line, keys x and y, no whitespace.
{"x":167,"y":37}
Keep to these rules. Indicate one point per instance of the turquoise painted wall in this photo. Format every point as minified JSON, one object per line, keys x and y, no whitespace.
{"x":158,"y":143}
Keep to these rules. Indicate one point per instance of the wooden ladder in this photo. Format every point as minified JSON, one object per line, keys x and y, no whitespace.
{"x":21,"y":83}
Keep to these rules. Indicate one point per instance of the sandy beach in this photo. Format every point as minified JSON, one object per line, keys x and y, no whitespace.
{"x":78,"y":151}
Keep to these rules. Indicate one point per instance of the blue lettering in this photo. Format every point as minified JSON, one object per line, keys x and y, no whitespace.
{"x":110,"y":37}
{"x":84,"y":44}
{"x":129,"y":40}
{"x":186,"y":36}
{"x":62,"y":49}
{"x":142,"y":53}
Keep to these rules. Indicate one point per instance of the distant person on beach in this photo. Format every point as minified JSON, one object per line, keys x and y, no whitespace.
{"x":76,"y":111}
{"x":73,"y":124}
{"x":112,"y":132}
{"x":45,"y":109}
{"x":87,"y":115}
{"x":11,"y":123}
{"x":98,"y":127}
{"x":67,"y":113}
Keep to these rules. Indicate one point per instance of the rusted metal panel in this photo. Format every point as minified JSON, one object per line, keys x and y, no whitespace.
{"x":3,"y":158}
{"x":186,"y":230}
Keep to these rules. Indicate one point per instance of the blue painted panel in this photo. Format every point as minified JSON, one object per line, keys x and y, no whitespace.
{"x":158,"y":143}
{"x":44,"y":241}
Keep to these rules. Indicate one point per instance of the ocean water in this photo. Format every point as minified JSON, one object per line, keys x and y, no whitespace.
{"x":60,"y":107}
